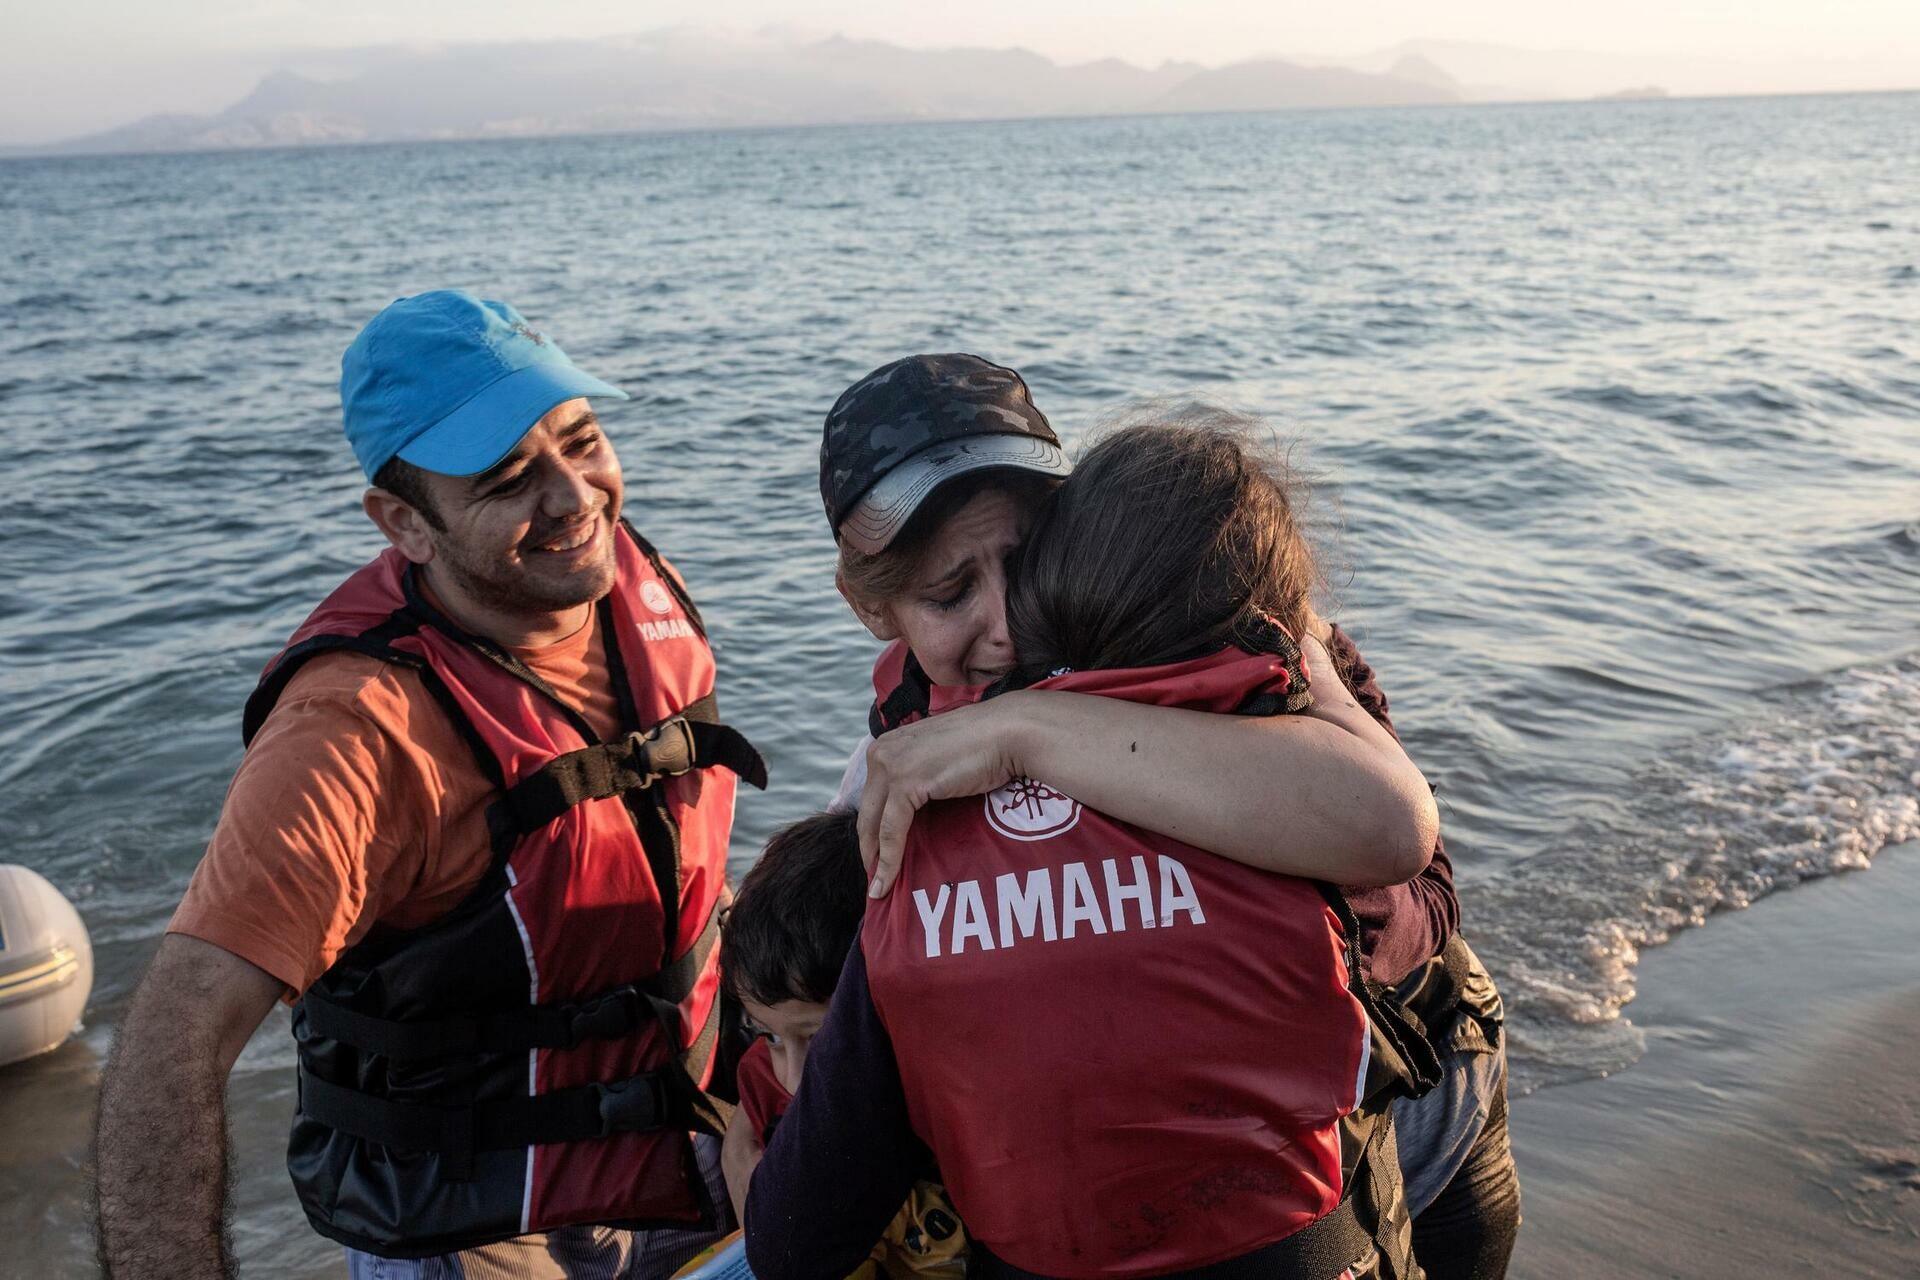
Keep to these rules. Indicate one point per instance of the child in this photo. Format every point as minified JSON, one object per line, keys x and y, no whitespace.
{"x":795,"y":917}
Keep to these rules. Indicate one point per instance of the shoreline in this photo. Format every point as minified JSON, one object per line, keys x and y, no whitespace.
{"x":1772,"y":1127}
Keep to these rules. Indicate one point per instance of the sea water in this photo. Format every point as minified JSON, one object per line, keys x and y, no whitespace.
{"x":1613,"y":410}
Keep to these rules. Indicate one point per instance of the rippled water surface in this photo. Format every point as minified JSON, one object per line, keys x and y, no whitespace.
{"x":1615,"y":409}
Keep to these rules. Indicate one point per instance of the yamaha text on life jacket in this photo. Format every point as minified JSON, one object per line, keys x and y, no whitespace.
{"x":536,"y":1057}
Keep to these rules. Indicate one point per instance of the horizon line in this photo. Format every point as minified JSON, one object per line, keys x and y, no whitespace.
{"x":63,"y":151}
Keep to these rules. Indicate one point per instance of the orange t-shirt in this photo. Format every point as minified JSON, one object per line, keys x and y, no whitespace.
{"x":358,"y":803}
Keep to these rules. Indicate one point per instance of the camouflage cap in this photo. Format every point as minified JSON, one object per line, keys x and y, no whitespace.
{"x":905,"y":429}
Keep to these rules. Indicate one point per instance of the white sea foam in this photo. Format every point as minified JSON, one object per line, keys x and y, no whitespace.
{"x":1818,"y":785}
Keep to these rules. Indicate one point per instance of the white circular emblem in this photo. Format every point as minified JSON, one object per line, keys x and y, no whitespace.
{"x":655,"y":597}
{"x":1027,"y":810}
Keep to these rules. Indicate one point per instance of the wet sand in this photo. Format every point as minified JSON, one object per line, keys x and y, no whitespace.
{"x":1773,"y":1127}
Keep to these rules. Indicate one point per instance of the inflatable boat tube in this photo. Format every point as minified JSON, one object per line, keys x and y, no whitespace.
{"x":46,"y":965}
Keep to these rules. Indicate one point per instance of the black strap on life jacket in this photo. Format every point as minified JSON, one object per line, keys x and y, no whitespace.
{"x":676,"y":745}
{"x":1263,"y":635}
{"x":608,"y":1015}
{"x":664,"y":1098}
{"x":1322,"y":1249}
{"x":1402,"y":1061}
{"x":911,"y":697}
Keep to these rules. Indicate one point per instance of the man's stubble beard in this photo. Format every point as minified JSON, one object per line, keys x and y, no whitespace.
{"x":524,"y":594}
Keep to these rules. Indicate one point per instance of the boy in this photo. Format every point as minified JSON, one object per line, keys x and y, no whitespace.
{"x":793,"y":921}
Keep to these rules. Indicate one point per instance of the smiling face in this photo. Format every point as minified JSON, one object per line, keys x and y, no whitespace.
{"x":789,"y":1028}
{"x":519,"y":552}
{"x":952,"y":612}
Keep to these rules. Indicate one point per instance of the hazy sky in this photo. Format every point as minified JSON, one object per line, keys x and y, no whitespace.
{"x":85,"y":64}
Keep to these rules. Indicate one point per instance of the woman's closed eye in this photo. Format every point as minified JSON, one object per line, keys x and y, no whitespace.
{"x":950,"y":595}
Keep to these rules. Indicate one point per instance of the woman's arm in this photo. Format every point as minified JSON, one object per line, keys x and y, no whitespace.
{"x":1400,"y":925}
{"x":1328,"y":794}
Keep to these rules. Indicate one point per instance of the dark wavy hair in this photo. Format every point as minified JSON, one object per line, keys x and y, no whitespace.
{"x":409,"y":484}
{"x":797,"y":913}
{"x":1174,"y":536}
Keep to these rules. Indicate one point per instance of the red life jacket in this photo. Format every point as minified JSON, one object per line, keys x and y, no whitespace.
{"x":535,"y":1057}
{"x":763,"y":1099}
{"x":1128,"y":1056}
{"x":903,"y":692}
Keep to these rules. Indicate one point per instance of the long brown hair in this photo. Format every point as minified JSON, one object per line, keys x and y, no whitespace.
{"x":1173,"y":537}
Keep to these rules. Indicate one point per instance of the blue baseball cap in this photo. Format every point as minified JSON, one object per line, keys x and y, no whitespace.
{"x":450,"y":383}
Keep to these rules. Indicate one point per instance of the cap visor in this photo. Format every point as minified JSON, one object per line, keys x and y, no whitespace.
{"x":480,"y":432}
{"x":884,"y":510}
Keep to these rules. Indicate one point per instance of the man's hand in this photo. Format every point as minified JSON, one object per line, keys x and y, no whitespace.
{"x":964,"y":752}
{"x":160,"y":1148}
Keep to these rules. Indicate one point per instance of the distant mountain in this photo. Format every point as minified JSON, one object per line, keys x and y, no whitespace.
{"x":1422,"y":70}
{"x":1491,"y":72}
{"x":693,"y":77}
{"x":682,"y":78}
{"x":1272,"y":85}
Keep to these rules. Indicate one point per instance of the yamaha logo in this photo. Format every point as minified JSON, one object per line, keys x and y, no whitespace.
{"x":655,"y":597}
{"x":1023,"y":809}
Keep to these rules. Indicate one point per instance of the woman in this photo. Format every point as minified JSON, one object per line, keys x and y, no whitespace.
{"x":931,"y":468}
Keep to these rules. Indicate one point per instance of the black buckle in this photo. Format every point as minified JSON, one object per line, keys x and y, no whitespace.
{"x":633,"y":1104}
{"x":664,"y":751}
{"x":605,"y":1018}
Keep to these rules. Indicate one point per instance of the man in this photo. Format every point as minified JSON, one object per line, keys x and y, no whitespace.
{"x":479,"y":840}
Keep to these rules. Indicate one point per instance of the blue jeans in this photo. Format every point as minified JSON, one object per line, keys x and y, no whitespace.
{"x":1462,"y":1187}
{"x":566,"y":1253}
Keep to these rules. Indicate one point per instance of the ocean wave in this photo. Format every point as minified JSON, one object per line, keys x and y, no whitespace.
{"x":1819,"y":785}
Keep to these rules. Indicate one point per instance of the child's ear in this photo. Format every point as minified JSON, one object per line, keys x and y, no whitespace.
{"x":878,"y":621}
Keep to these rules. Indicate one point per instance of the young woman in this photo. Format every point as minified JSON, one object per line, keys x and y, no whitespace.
{"x":931,"y":470}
